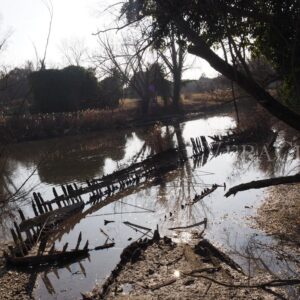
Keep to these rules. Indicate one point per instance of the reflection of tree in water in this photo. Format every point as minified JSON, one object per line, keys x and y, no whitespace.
{"x":272,"y":258}
{"x":179,"y":188}
{"x":7,"y":188}
{"x":156,"y":139}
{"x":272,"y":160}
{"x":72,"y":158}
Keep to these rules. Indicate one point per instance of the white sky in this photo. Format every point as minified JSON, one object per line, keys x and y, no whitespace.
{"x":28,"y":22}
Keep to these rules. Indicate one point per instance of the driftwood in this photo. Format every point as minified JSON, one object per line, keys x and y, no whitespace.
{"x":204,"y":222}
{"x":263,"y":183}
{"x":162,"y":284}
{"x":137,"y":226}
{"x":105,"y":246}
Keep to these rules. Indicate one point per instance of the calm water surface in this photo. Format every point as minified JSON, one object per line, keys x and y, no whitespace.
{"x":75,"y":159}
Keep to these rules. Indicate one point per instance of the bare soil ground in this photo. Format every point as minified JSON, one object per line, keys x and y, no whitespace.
{"x":166,"y":270}
{"x":13,"y":284}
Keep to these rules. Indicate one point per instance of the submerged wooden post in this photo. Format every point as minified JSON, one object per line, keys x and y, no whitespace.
{"x":54,"y":192}
{"x":21,"y":215}
{"x":12,"y":251}
{"x":17,"y":243}
{"x":204,"y":143}
{"x":64,"y":190}
{"x":38,"y":203}
{"x":78,"y":241}
{"x":86,"y":246}
{"x":34,"y":209}
{"x":25,"y":249}
{"x":52,"y":248}
{"x":65,"y":247}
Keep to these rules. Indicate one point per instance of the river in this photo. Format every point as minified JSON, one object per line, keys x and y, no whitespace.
{"x":54,"y":162}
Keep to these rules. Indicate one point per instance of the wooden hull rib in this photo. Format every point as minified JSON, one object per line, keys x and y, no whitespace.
{"x":51,"y":217}
{"x":52,"y":259}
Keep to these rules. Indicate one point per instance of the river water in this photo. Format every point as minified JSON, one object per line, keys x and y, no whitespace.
{"x":65,"y":160}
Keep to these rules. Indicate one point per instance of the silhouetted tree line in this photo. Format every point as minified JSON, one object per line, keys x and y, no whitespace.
{"x":52,"y":90}
{"x":206,"y":84}
{"x":76,"y":88}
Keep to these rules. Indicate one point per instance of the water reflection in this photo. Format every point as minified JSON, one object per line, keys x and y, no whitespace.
{"x":74,"y":159}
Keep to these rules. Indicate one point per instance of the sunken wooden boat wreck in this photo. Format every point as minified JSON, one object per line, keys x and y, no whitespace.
{"x":26,"y":254}
{"x":47,"y":259}
{"x":223,"y":143}
{"x":51,"y":218}
{"x":153,"y":166}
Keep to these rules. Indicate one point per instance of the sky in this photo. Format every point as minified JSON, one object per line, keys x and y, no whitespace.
{"x":27,"y":23}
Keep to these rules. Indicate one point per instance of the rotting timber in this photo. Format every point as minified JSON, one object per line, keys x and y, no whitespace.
{"x":31,"y":251}
{"x":70,"y":203}
{"x":222,"y":143}
{"x":49,"y":214}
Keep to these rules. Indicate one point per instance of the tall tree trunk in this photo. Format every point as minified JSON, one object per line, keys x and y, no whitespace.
{"x":177,"y":90}
{"x":145,"y":105}
{"x":201,"y":49}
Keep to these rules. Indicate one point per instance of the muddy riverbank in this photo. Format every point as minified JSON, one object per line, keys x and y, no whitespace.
{"x":279,"y":215}
{"x":70,"y":160}
{"x":166,"y":270}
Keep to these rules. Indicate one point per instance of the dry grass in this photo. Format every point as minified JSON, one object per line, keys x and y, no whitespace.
{"x":41,"y":126}
{"x":207,"y":98}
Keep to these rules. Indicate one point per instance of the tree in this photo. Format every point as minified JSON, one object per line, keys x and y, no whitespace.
{"x":73,"y":51}
{"x":269,"y":28}
{"x":110,"y":90}
{"x":62,"y":90}
{"x":135,"y":65}
{"x":151,"y":83}
{"x":173,"y":53}
{"x":14,"y":85}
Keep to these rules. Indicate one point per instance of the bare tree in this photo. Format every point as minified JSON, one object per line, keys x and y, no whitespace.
{"x":49,"y":6}
{"x":132,"y":59}
{"x":74,"y":51}
{"x":173,"y":54}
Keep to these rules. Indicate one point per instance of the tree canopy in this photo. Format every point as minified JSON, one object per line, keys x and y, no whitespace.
{"x":110,"y":90}
{"x":62,"y":90}
{"x":268,"y":28}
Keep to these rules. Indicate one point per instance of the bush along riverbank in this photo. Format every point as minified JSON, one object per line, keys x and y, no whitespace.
{"x":30,"y":127}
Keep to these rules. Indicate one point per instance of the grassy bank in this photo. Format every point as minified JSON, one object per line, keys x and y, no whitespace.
{"x":41,"y":126}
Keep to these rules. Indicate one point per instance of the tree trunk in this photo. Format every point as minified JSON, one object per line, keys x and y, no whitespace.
{"x":145,"y":105}
{"x":176,"y":90}
{"x":201,"y":49}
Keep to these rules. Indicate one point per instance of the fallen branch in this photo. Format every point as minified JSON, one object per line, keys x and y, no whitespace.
{"x":201,"y":270}
{"x":271,"y":283}
{"x":135,"y":225}
{"x":105,"y":246}
{"x":263,"y":183}
{"x":190,"y":226}
{"x":162,"y":284}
